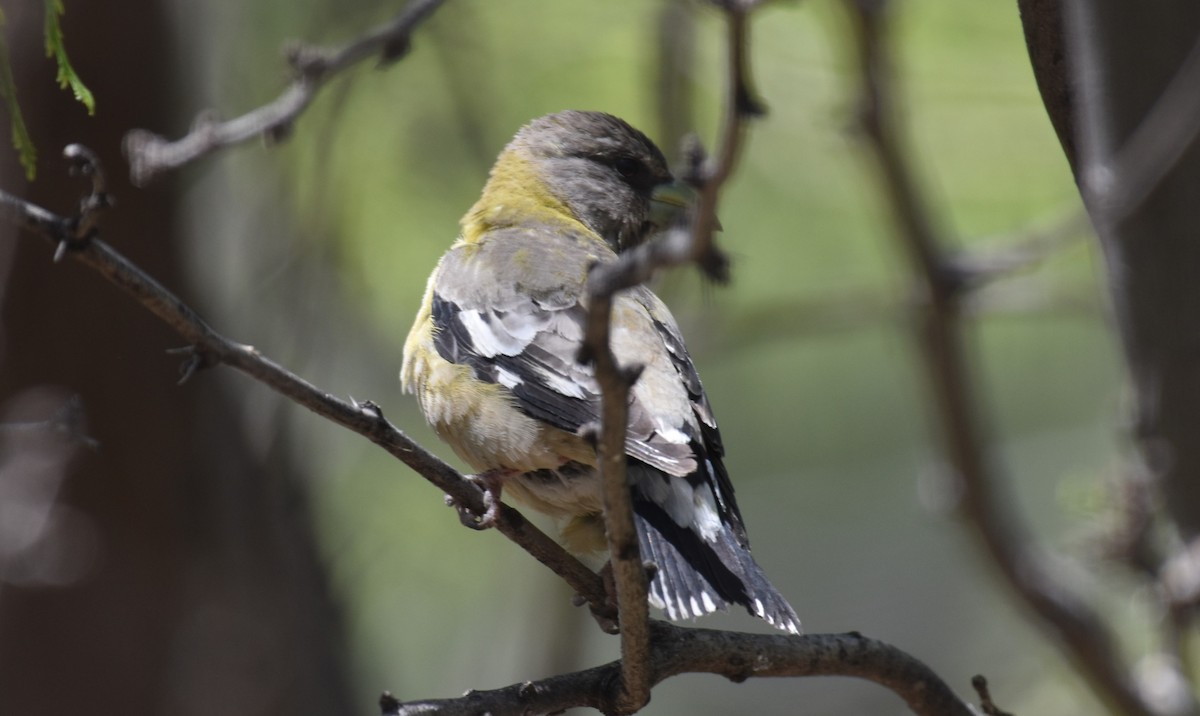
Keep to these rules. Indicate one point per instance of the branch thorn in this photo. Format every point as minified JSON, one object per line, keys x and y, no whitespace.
{"x":195,"y":360}
{"x":369,"y":408}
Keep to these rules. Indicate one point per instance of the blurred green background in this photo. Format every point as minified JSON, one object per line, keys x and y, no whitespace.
{"x":808,"y":355}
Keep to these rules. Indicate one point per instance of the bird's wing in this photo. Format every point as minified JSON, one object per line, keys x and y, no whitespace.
{"x":512,"y":309}
{"x":513,"y":312}
{"x":689,"y":409}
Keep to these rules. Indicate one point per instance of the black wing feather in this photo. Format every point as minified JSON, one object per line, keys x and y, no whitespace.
{"x":530,"y":367}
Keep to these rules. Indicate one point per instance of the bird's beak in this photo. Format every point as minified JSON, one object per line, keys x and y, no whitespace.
{"x":669,"y":202}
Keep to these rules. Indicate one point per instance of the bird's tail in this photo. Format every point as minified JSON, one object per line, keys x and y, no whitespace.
{"x":699,"y":573}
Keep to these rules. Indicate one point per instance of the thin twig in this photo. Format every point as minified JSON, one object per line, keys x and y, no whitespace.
{"x":741,"y":105}
{"x":150,"y":154}
{"x":629,"y":574}
{"x":1114,"y":189}
{"x":68,"y":422}
{"x":678,"y":650}
{"x":986,"y":704}
{"x":209,"y":348}
{"x":674,"y":59}
{"x":1000,"y":257}
{"x":679,"y":245}
{"x":1082,"y":635}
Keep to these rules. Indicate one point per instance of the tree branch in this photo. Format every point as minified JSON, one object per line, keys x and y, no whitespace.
{"x":669,"y":650}
{"x":1115,"y":185}
{"x":652,"y":651}
{"x":678,"y":246}
{"x":150,"y":154}
{"x":208,"y":348}
{"x":678,"y":650}
{"x":1082,"y":635}
{"x":629,"y":574}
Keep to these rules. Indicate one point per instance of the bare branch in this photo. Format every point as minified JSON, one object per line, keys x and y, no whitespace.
{"x":677,"y":650}
{"x":679,"y":245}
{"x":741,"y":104}
{"x":629,"y":574}
{"x":1002,"y":256}
{"x":1116,"y":186}
{"x":209,"y":348}
{"x":674,"y":60}
{"x":1082,"y":635}
{"x":67,"y":422}
{"x":985,"y":698}
{"x":35,"y":219}
{"x":1137,"y":121}
{"x":669,"y":650}
{"x":150,"y":154}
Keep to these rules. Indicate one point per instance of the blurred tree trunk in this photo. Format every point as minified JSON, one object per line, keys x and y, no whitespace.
{"x":1122,"y":56}
{"x":192,"y":582}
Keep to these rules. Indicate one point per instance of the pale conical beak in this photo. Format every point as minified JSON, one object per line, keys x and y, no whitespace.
{"x":669,"y":202}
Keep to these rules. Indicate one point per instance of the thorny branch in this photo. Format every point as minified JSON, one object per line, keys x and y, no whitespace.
{"x":1082,"y":635}
{"x":677,"y":650}
{"x":679,"y":245}
{"x":150,"y":154}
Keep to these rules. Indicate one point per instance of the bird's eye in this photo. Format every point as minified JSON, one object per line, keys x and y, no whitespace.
{"x":628,"y":167}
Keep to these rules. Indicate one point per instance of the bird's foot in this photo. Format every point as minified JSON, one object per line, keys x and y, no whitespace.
{"x":491,"y":482}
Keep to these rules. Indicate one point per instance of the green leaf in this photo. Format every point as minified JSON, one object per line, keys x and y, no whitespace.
{"x":8,"y":94}
{"x":56,"y":49}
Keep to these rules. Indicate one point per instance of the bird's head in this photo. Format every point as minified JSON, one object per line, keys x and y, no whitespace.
{"x":593,"y":167}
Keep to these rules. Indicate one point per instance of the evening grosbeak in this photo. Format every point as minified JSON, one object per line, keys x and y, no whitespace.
{"x":492,"y":360}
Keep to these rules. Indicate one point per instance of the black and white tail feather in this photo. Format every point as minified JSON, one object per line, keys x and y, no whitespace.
{"x":703,"y":564}
{"x":688,"y":522}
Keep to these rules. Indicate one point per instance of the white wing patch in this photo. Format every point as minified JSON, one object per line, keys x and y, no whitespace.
{"x":705,"y":517}
{"x":562,"y":384}
{"x":507,"y":378}
{"x":489,"y":342}
{"x":673,"y":435}
{"x":520,"y":326}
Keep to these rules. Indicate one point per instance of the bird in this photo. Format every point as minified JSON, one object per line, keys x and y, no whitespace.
{"x":492,"y":360}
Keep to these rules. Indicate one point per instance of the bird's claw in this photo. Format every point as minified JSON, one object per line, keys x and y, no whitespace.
{"x":491,"y":483}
